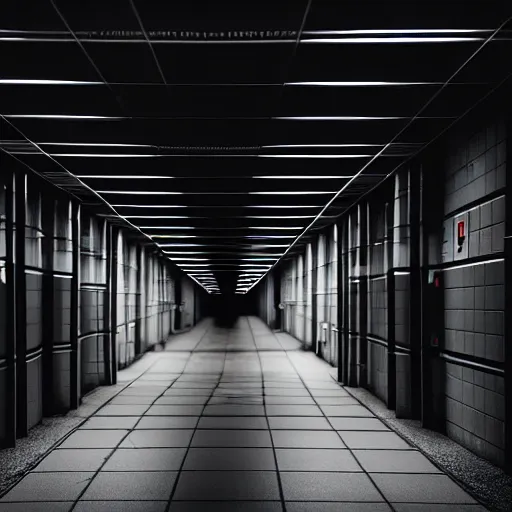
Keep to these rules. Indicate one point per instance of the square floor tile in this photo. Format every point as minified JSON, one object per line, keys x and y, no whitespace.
{"x":289,"y":400}
{"x":158,"y":439}
{"x":297,"y":459}
{"x":294,"y":506}
{"x":286,"y":392}
{"x":238,"y":392}
{"x":41,"y":506}
{"x":236,"y":400}
{"x":226,"y":506}
{"x":323,"y":385}
{"x":232,"y":438}
{"x":404,"y":488}
{"x":132,"y":400}
{"x":193,"y":385}
{"x":357,"y":424}
{"x":131,"y":486}
{"x":354,"y":411}
{"x":49,"y":487}
{"x":122,"y":410}
{"x":293,"y":410}
{"x":73,"y":460}
{"x":121,"y":506}
{"x":110,"y":422}
{"x":175,"y":410}
{"x":306,"y":439}
{"x":297,"y":384}
{"x":233,"y":422}
{"x":167,"y":422}
{"x":230,"y":459}
{"x":431,"y":507}
{"x":227,"y":485}
{"x":336,"y":400}
{"x":143,"y":391}
{"x":394,"y":461}
{"x":329,"y":392}
{"x":187,"y":392}
{"x":94,"y":439}
{"x":182,"y":400}
{"x":298,"y":423}
{"x":234,"y":410}
{"x":374,"y":440}
{"x":146,"y":459}
{"x":328,"y":487}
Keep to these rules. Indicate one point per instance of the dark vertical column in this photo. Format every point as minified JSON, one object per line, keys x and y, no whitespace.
{"x":48,"y":244}
{"x":415,"y":288}
{"x":314,"y":297}
{"x":346,"y":308}
{"x":107,"y":308}
{"x":113,"y":303}
{"x":277,"y":297}
{"x":390,"y":281}
{"x":339,"y":321}
{"x":138,"y":299}
{"x":508,"y":306}
{"x":11,"y":314}
{"x":21,"y":303}
{"x":75,"y":367}
{"x":177,"y":301}
{"x":363,"y":296}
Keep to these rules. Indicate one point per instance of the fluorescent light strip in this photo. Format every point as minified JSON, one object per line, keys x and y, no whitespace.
{"x":295,"y":207}
{"x":399,"y":31}
{"x":102,"y":155}
{"x":361,"y":84}
{"x":173,"y":236}
{"x":148,"y":206}
{"x":121,"y":176}
{"x":323,"y":146}
{"x":395,"y":40}
{"x":279,"y":216}
{"x":167,"y":227}
{"x":268,"y":236}
{"x":291,"y":193}
{"x":94,"y":144}
{"x":140,"y":192}
{"x":478,"y":263}
{"x":158,"y":217}
{"x":55,"y":116}
{"x":306,"y":177}
{"x":337,"y":118}
{"x":23,"y":81}
{"x":275,"y":227}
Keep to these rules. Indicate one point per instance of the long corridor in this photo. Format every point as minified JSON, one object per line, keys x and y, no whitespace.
{"x":235,"y":419}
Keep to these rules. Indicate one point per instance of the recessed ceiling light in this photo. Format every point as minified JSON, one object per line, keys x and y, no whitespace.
{"x":337,"y":118}
{"x":148,"y":206}
{"x":360,"y":84}
{"x":356,"y":40}
{"x":141,"y":192}
{"x":104,"y":155}
{"x":292,"y":193}
{"x":303,"y":177}
{"x":279,"y":216}
{"x":121,"y":176}
{"x":323,"y":146}
{"x":167,"y":227}
{"x":24,"y":81}
{"x":55,"y":116}
{"x":399,"y":31}
{"x":283,"y":206}
{"x":173,"y":236}
{"x":94,"y":144}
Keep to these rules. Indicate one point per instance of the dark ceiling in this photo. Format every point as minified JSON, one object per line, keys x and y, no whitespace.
{"x":224,"y":129}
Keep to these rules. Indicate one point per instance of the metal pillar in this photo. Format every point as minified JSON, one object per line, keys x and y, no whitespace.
{"x":390,"y":280}
{"x":75,"y":367}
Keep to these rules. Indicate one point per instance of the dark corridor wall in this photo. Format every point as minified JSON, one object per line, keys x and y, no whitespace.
{"x":80,"y":298}
{"x":411,"y":311}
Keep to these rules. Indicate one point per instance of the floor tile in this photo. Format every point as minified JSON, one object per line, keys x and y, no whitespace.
{"x":94,"y":439}
{"x":121,"y":506}
{"x":143,"y":391}
{"x":293,"y":384}
{"x":431,"y":507}
{"x":289,"y":400}
{"x":227,"y":485}
{"x":232,"y":438}
{"x":354,"y":411}
{"x":49,"y":487}
{"x":132,"y":400}
{"x":182,"y":400}
{"x":175,"y":410}
{"x":322,"y":386}
{"x":404,"y":488}
{"x":298,"y":423}
{"x":167,"y":422}
{"x":234,"y":410}
{"x":357,"y":424}
{"x":293,"y":410}
{"x":42,"y":506}
{"x":292,"y":506}
{"x":294,"y":459}
{"x":122,"y":410}
{"x":328,"y":487}
{"x":336,"y":400}
{"x":158,"y":439}
{"x":286,"y":392}
{"x":110,"y":422}
{"x":329,"y":392}
{"x":73,"y":460}
{"x":238,"y":392}
{"x":236,"y":400}
{"x":193,"y":385}
{"x":374,"y":440}
{"x":226,"y":506}
{"x":187,"y":392}
{"x":394,"y":461}
{"x":131,"y":486}
{"x":146,"y":459}
{"x":306,"y":439}
{"x":231,"y":459}
{"x":233,"y":422}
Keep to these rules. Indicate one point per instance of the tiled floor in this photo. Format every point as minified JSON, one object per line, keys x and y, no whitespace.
{"x":235,"y":420}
